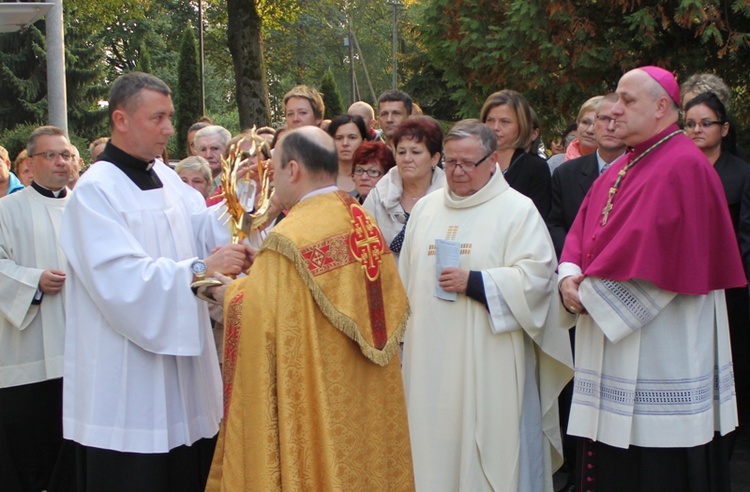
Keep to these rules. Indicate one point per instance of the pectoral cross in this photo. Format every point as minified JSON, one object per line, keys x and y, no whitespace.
{"x":608,"y":208}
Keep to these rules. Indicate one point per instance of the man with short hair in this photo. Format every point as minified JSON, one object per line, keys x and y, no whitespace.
{"x":266,"y":132}
{"x":194,"y":128}
{"x":573,"y":179}
{"x":484,"y":359}
{"x":96,"y":147}
{"x":570,"y":183}
{"x":394,"y":106}
{"x":76,"y":164}
{"x":32,"y":317}
{"x":21,"y":168}
{"x":303,"y":106}
{"x":9,"y":183}
{"x":367,"y":113}
{"x":642,"y":276}
{"x":313,"y":394}
{"x":142,"y":390}
{"x":211,"y":143}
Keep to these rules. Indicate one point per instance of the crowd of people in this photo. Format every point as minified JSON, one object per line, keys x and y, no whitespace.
{"x":417,"y":309}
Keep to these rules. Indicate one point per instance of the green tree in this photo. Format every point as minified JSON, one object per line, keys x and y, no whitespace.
{"x":331,"y":95}
{"x":144,"y":60}
{"x":160,"y":25}
{"x":14,"y":139}
{"x":422,"y":79}
{"x":245,"y":41}
{"x":560,"y":53}
{"x":85,"y":85}
{"x":189,"y":105}
{"x":300,"y":48}
{"x":23,"y":77}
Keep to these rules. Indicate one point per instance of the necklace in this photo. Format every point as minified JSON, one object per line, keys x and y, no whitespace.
{"x":621,"y":175}
{"x":406,"y":196}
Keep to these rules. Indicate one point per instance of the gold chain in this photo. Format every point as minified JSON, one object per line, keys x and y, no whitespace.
{"x":621,"y":175}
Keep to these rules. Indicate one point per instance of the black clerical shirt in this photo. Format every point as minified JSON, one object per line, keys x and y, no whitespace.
{"x":62,"y":193}
{"x":140,"y":172}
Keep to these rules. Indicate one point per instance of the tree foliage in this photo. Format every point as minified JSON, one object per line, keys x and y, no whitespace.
{"x":188,"y":103}
{"x":23,"y":77}
{"x":560,"y":53}
{"x":143,"y":64}
{"x":301,"y":48}
{"x":85,"y":87}
{"x":244,"y":33}
{"x":331,"y":96}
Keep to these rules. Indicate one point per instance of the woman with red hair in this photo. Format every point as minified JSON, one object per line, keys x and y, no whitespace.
{"x":370,"y":162}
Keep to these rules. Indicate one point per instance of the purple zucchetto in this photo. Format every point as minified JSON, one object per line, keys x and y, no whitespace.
{"x":666,"y":80}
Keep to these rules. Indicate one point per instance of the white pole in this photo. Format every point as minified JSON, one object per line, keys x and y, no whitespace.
{"x":56,"y":93}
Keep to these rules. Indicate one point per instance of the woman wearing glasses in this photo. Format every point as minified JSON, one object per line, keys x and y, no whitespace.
{"x":419,"y":144}
{"x":708,"y":124}
{"x":509,"y":116}
{"x":370,"y":163}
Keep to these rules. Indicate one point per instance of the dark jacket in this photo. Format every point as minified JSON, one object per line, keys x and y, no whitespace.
{"x":570,"y":183}
{"x":529,"y":174}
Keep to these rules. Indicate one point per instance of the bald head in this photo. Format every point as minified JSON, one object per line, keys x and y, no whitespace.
{"x":311,"y":147}
{"x":643,"y":108}
{"x":364,"y":111}
{"x":656,"y":90}
{"x":304,"y":160}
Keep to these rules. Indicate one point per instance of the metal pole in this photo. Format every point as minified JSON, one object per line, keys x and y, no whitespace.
{"x":364,"y":66}
{"x":395,"y":5}
{"x":56,"y":93}
{"x":351,"y":61}
{"x":200,"y":45}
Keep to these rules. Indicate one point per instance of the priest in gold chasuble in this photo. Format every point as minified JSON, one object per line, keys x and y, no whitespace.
{"x":313,"y":397}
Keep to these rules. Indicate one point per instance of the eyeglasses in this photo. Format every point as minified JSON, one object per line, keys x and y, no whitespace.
{"x":690,"y":125}
{"x":604,"y":118}
{"x":466,"y":166}
{"x":51,"y":156}
{"x":373,"y":173}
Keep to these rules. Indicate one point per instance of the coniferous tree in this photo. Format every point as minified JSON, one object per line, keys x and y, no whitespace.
{"x":188,"y":94}
{"x":23,"y":77}
{"x":85,"y":86}
{"x":144,"y":60}
{"x":331,"y":95}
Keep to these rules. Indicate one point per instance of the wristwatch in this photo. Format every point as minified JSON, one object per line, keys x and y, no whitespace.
{"x":198,"y":267}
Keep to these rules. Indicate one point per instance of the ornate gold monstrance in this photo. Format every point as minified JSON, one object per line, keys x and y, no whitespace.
{"x":240,"y":194}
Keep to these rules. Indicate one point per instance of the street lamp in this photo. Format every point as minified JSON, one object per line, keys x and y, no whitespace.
{"x":396,"y":5}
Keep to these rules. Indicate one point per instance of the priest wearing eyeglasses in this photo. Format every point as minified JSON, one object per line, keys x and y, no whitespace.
{"x":484,"y":360}
{"x":32,"y":316}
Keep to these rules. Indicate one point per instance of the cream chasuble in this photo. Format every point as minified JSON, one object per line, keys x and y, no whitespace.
{"x":31,"y":335}
{"x":141,"y":370}
{"x":481,"y":387}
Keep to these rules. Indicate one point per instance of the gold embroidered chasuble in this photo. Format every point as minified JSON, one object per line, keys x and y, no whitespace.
{"x":313,"y":396}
